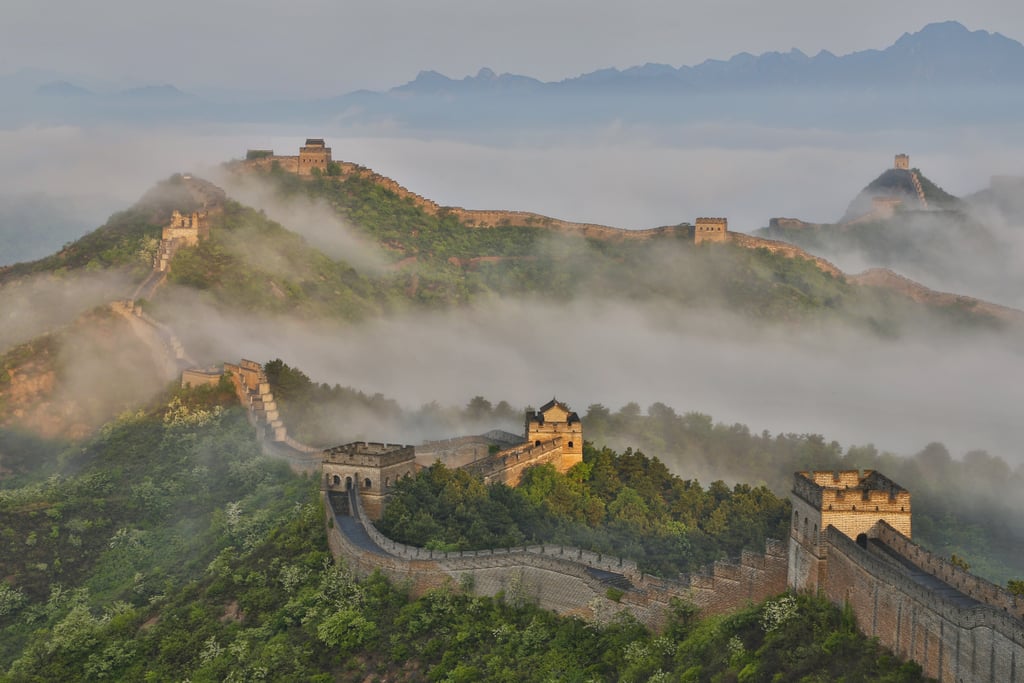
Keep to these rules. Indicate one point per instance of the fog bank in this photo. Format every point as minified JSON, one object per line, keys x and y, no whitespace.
{"x":844,"y":384}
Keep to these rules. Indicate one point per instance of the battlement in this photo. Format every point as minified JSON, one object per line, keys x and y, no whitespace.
{"x":902,"y":162}
{"x":822,"y":489}
{"x":707,"y":229}
{"x":370,"y":453}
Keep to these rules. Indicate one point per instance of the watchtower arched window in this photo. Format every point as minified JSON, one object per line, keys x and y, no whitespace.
{"x":337,"y":480}
{"x":367,"y":483}
{"x":537,"y":442}
{"x":570,"y":444}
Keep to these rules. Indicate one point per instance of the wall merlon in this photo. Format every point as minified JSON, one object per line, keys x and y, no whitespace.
{"x":967,"y":583}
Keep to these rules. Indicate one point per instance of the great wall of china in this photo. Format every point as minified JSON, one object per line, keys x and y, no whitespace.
{"x":956,"y":625}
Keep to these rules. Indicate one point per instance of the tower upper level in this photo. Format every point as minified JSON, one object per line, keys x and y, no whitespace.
{"x":853,"y":502}
{"x":902,"y":162}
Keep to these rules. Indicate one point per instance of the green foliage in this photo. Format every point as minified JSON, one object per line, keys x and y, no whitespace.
{"x":614,"y":594}
{"x":189,"y":572}
{"x":1015,"y":587}
{"x":141,"y":508}
{"x":251,"y":263}
{"x":963,"y":506}
{"x":619,"y":504}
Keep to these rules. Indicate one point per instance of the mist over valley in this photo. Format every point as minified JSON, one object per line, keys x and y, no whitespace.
{"x":695,"y":269}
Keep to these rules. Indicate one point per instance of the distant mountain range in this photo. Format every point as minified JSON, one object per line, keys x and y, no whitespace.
{"x":944,"y":67}
{"x":940,"y":54}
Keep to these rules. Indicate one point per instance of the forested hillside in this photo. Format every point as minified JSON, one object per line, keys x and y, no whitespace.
{"x":966,"y":506}
{"x":168,"y":548}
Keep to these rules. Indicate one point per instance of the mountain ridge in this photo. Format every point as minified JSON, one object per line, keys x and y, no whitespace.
{"x":963,"y":56}
{"x":927,"y":63}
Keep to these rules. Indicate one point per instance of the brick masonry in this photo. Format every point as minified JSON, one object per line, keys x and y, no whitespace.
{"x":850,"y":541}
{"x":567,"y":580}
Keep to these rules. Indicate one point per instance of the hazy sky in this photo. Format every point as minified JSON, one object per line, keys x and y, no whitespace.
{"x":310,"y":46}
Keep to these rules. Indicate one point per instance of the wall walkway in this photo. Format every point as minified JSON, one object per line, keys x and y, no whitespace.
{"x":567,"y":580}
{"x":923,"y":610}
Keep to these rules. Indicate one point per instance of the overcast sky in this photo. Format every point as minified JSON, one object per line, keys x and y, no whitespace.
{"x":310,"y":46}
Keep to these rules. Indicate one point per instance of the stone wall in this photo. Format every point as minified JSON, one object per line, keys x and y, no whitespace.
{"x":561,"y":578}
{"x":952,"y":638}
{"x":507,"y":466}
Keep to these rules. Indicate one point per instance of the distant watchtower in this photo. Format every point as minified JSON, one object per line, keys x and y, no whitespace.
{"x":372,"y":468}
{"x":554,"y":419}
{"x":902,"y":162}
{"x":314,"y":154}
{"x":850,"y":502}
{"x":710,"y":230}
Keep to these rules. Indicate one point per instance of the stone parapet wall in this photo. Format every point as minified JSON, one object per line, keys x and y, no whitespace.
{"x":561,"y":578}
{"x":507,"y":466}
{"x":952,"y":642}
{"x":973,"y":586}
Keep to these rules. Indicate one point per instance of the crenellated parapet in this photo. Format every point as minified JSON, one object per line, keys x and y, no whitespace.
{"x":568,"y":580}
{"x":507,"y":466}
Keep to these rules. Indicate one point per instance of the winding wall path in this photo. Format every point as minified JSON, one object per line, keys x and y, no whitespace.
{"x":567,"y":580}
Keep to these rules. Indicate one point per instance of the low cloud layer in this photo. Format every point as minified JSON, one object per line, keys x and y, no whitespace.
{"x":33,"y":306}
{"x":847,"y":385}
{"x":320,"y":225}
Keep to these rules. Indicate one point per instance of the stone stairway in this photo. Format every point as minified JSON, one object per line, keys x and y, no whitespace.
{"x":920,"y":190}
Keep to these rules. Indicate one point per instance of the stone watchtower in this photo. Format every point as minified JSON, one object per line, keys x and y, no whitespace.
{"x":553,"y":420}
{"x":710,"y":230}
{"x":850,"y":502}
{"x":902,"y":162}
{"x":314,"y":154}
{"x":372,"y":468}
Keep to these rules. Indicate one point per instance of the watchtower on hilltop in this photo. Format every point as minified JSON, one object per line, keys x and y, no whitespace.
{"x":852,"y":503}
{"x":188,"y":228}
{"x":314,"y":154}
{"x":372,"y":468}
{"x":553,"y":420}
{"x":902,"y":162}
{"x":710,"y":230}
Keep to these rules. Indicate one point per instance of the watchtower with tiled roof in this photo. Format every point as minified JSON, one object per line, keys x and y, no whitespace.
{"x":554,"y":420}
